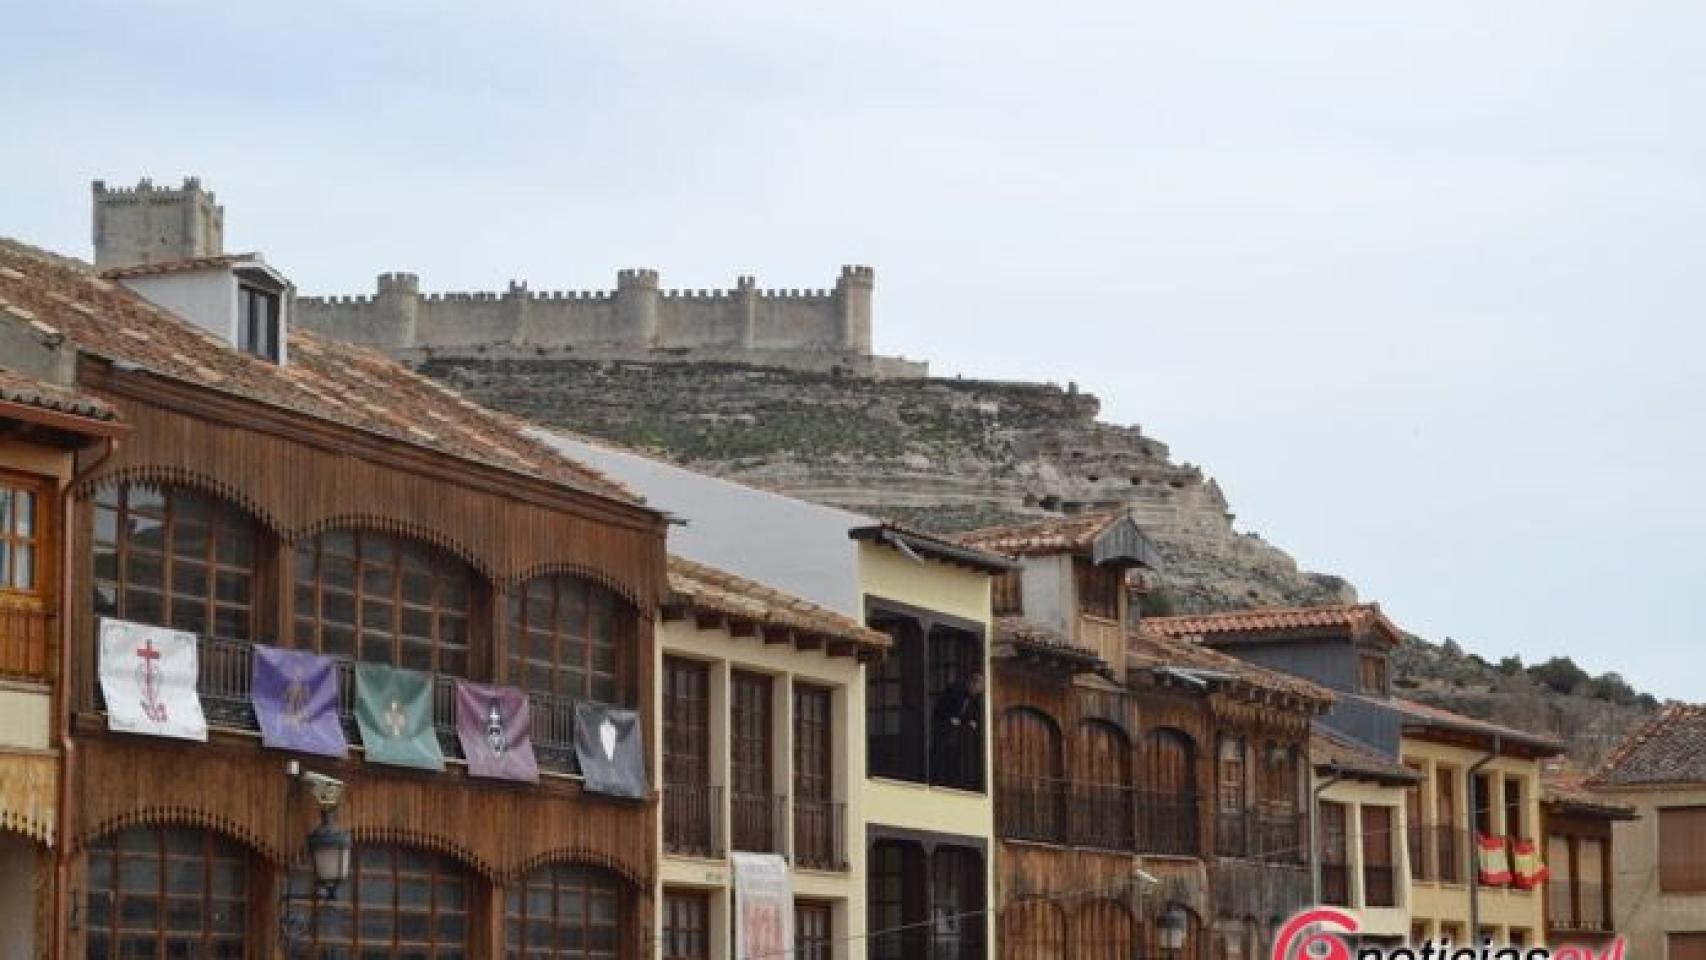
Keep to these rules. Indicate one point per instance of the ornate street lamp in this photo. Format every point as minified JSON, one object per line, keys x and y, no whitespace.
{"x":329,"y":848}
{"x":1170,"y":930}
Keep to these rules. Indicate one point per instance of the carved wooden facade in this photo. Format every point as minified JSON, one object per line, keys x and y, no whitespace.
{"x":485,"y":853}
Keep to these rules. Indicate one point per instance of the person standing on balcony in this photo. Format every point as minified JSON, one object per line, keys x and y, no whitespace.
{"x":954,"y":725}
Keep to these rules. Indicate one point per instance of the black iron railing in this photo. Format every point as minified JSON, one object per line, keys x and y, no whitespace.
{"x":757,"y":821}
{"x":226,"y":671}
{"x":1103,"y":815}
{"x":820,"y":835}
{"x":1379,"y":885}
{"x":693,"y":819}
{"x":1167,"y":823}
{"x":1031,"y":808}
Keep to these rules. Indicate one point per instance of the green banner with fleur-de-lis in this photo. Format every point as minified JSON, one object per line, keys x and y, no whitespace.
{"x":393,"y":709}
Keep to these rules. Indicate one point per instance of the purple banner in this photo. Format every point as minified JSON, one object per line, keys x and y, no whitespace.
{"x":495,"y":725}
{"x":295,"y":694}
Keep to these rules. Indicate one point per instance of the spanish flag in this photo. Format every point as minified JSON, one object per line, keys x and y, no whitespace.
{"x":1530,"y":872}
{"x":1495,"y":865}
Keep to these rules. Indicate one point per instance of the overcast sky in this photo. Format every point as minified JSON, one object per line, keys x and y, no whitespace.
{"x":1421,"y":284}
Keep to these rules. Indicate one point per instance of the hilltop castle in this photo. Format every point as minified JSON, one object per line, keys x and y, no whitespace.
{"x":825,"y":330}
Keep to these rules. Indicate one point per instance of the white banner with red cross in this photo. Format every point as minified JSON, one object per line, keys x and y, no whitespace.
{"x":148,"y":678}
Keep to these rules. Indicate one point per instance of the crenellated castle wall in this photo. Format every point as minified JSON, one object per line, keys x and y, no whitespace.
{"x":637,"y":315}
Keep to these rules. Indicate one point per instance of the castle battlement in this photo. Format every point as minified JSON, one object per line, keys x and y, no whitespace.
{"x":637,"y":314}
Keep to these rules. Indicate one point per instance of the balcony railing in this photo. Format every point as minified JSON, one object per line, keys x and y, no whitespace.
{"x":1336,"y":884}
{"x":1450,"y":846}
{"x":1416,"y":840}
{"x":1103,"y":815}
{"x":24,"y":644}
{"x":1031,"y":808}
{"x":693,"y":819}
{"x":1266,"y":832}
{"x":1167,"y":823}
{"x":820,"y":835}
{"x":1578,"y":906}
{"x":1232,"y":832}
{"x":226,"y":670}
{"x":757,"y":821}
{"x":1379,"y":886}
{"x":1281,"y":834}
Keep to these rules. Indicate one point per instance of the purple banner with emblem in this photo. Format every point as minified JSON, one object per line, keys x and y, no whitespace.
{"x":295,"y":694}
{"x":495,"y":725}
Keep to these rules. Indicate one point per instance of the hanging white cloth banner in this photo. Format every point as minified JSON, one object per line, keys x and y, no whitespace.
{"x":764,"y":907}
{"x":148,"y":677}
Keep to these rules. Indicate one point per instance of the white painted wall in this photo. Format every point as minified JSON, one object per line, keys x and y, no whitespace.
{"x":206,"y":298}
{"x":798,"y":547}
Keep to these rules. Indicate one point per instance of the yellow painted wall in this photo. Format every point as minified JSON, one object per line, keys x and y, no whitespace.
{"x":26,"y":716}
{"x":723,"y":653}
{"x":888,"y":574}
{"x":1643,"y":912}
{"x":1355,"y":795}
{"x":1503,"y":909}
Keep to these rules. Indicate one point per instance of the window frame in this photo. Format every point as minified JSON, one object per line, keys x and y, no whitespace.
{"x":104,"y":917}
{"x":1681,"y":844}
{"x":222,"y":519}
{"x":693,"y":906}
{"x":441,"y":568}
{"x":607,"y":627}
{"x":258,"y":332}
{"x":440,"y":875}
{"x":587,"y":884}
{"x":38,"y":541}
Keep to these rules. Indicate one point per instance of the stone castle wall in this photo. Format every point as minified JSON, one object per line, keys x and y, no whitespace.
{"x":637,"y":315}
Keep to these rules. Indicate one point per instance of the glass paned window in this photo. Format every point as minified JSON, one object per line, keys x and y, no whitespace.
{"x":564,"y":911}
{"x":400,"y":903}
{"x":383,"y":599}
{"x":567,"y":636}
{"x":166,"y":892}
{"x":175,"y":558}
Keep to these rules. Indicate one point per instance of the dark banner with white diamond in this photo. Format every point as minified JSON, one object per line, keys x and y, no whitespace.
{"x":607,"y":743}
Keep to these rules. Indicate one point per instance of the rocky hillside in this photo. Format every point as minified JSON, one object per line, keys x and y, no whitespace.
{"x":957,"y":454}
{"x":943,"y":454}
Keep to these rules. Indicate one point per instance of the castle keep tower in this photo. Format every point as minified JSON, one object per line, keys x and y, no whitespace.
{"x":149,"y":224}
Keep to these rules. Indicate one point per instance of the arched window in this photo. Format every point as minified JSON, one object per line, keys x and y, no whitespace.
{"x":1034,"y":930}
{"x":175,"y":558}
{"x":1102,"y":801}
{"x":399,"y":902}
{"x":166,"y":892}
{"x":1168,"y":807}
{"x":371,"y":596}
{"x":1031,"y":797}
{"x":1104,"y":931}
{"x":564,"y":911}
{"x":568,"y":636}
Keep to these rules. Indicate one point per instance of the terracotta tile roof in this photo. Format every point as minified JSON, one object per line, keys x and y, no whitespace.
{"x":933,"y":545}
{"x":1051,"y":535}
{"x":59,"y":297}
{"x":1671,"y":748}
{"x":178,"y":266}
{"x":1426,"y":716}
{"x":1357,"y":620}
{"x":1332,"y":751}
{"x":1149,"y":650}
{"x":28,"y":391}
{"x":1565,"y":790}
{"x":709,"y":590}
{"x":1037,"y":642}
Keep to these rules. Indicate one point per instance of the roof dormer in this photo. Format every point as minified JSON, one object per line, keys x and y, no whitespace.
{"x":238,"y":298}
